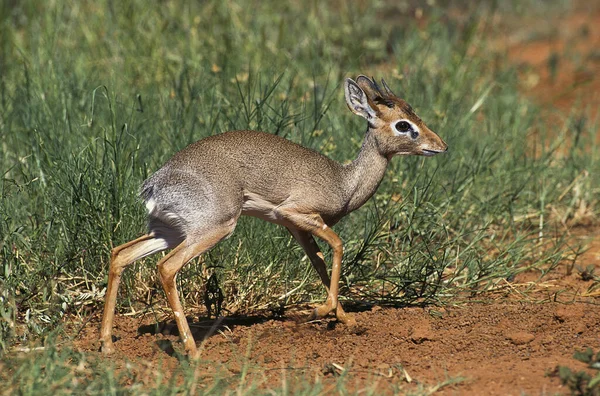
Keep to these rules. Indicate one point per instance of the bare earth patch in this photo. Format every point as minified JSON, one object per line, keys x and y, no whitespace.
{"x":501,"y":347}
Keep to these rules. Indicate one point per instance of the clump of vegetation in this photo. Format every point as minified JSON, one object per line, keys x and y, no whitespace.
{"x":582,"y":382}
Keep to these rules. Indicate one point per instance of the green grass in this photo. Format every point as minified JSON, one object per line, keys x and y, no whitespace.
{"x":584,"y":383}
{"x":95,"y":96}
{"x":65,"y":371}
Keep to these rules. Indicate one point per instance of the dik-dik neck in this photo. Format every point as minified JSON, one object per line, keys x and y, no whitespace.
{"x":364,"y":174}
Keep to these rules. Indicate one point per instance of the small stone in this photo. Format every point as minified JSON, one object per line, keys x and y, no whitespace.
{"x":421,"y":333}
{"x":289,"y":324}
{"x":567,"y":312}
{"x":520,"y":338}
{"x":384,"y":366}
{"x":580,"y":328}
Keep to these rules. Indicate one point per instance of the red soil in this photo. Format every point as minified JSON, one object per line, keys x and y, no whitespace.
{"x":501,"y":347}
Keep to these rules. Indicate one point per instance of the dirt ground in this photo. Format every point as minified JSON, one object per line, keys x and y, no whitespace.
{"x":507,"y":343}
{"x":499,"y":347}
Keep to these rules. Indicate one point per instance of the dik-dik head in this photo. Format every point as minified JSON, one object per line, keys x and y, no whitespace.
{"x":396,"y":127}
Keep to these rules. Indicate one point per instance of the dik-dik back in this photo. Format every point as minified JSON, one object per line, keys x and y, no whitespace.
{"x":245,"y":171}
{"x":196,"y":198}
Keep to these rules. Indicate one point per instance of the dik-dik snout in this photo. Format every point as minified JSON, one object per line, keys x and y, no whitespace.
{"x":424,"y":141}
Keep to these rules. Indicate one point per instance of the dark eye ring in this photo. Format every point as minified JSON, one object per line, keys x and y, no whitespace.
{"x":403,"y":126}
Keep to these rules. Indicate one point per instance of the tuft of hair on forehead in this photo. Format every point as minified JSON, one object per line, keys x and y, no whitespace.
{"x":383,"y":95}
{"x":406,"y":108}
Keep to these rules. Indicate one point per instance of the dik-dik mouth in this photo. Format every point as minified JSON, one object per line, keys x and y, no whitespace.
{"x":429,"y":153}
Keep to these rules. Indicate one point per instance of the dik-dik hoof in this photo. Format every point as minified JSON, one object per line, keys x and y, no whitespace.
{"x":341,"y":316}
{"x":347,"y":319}
{"x":107,"y":348}
{"x":321,"y":312}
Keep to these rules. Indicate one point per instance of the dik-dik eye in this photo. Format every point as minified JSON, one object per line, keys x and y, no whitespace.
{"x":402,"y":126}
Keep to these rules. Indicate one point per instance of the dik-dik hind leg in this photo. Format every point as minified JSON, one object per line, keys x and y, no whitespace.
{"x":308,"y":243}
{"x":121,"y":257}
{"x":168,"y":267}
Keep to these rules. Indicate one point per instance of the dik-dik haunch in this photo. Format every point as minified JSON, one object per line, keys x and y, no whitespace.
{"x":194,"y":201}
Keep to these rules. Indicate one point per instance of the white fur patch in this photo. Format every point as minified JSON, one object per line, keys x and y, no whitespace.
{"x":256,"y":206}
{"x":169,"y":218}
{"x":152,"y":246}
{"x":398,"y":133}
{"x":150,"y":205}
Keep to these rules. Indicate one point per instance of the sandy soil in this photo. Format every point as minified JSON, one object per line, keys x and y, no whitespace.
{"x":509,"y":343}
{"x":500,"y":347}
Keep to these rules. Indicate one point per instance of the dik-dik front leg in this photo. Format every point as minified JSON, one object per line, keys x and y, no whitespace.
{"x":314,"y":224}
{"x":308,"y":243}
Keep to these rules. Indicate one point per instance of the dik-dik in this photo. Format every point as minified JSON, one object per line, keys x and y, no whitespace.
{"x":196,"y":198}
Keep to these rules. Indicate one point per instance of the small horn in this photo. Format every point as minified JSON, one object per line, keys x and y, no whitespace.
{"x":377,"y":87}
{"x":387,"y":88}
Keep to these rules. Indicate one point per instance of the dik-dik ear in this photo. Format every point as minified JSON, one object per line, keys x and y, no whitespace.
{"x":357,"y":101}
{"x":369,"y":87}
